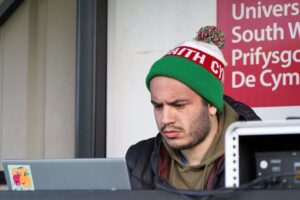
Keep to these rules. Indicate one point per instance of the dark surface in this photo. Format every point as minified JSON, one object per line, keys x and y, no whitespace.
{"x":91,"y":79}
{"x":86,"y":194}
{"x":250,"y":145}
{"x":2,"y":178}
{"x":149,"y":195}
{"x":7,"y":7}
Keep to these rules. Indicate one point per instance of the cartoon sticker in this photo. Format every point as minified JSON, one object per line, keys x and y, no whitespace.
{"x":21,"y":177}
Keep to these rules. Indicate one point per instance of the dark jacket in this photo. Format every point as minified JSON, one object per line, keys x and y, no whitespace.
{"x":144,"y":157}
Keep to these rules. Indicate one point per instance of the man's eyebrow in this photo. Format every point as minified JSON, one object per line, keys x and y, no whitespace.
{"x":171,"y":102}
{"x":177,"y":101}
{"x":154,"y":102}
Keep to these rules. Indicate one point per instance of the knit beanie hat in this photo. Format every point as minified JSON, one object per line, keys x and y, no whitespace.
{"x":198,"y":63}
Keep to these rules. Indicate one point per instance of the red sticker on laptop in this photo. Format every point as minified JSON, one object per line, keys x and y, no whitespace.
{"x":20,"y":177}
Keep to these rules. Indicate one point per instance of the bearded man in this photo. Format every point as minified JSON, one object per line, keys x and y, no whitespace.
{"x":192,"y":115}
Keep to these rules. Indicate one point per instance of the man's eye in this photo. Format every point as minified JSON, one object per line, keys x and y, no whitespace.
{"x":179,"y":105}
{"x":157,"y":106}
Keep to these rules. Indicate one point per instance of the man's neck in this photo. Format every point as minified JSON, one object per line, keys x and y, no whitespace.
{"x":195,"y":155}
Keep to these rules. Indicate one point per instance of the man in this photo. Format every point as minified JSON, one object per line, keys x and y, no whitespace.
{"x":186,"y":87}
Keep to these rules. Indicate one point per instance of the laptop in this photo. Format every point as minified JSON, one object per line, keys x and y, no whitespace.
{"x":67,"y":174}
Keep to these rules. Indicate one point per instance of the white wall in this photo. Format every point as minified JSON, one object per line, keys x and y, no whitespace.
{"x":139,"y":33}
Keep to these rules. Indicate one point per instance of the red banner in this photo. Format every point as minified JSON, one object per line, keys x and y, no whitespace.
{"x":262,"y":49}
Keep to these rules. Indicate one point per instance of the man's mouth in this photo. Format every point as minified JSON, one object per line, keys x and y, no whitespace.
{"x":171,"y":133}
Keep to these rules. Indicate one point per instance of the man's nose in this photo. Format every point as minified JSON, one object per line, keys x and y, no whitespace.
{"x":167,"y":115}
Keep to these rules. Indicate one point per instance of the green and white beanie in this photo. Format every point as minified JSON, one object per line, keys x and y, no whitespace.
{"x":198,"y":63}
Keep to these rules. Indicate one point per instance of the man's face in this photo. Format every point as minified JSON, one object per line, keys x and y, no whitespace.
{"x":181,"y":114}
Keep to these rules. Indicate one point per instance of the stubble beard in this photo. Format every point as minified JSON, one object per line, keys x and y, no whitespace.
{"x":200,"y":128}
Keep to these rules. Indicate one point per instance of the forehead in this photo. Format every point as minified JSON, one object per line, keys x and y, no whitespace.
{"x":165,"y":87}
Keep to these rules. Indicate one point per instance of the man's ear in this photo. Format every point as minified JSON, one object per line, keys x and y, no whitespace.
{"x":212,"y":109}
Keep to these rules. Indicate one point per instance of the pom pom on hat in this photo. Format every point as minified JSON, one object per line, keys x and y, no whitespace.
{"x":198,"y":63}
{"x":211,"y":35}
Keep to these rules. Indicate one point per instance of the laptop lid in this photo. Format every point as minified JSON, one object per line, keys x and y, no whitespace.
{"x":67,"y":174}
